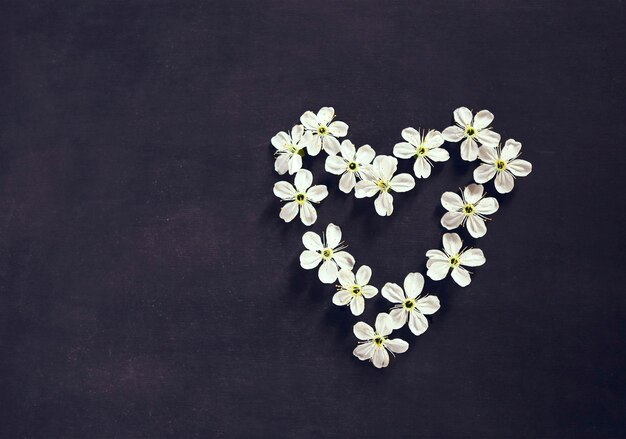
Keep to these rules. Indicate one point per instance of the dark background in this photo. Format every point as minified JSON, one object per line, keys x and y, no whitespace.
{"x":149,"y":289}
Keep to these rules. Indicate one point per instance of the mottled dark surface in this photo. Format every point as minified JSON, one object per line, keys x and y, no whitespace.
{"x":148,"y":288}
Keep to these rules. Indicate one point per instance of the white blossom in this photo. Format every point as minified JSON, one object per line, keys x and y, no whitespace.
{"x":300,"y":197}
{"x":289,"y":150}
{"x":424,"y":148}
{"x":469,"y":210}
{"x":323,"y":132}
{"x":328,"y":251}
{"x":354,"y":289}
{"x":472,"y":129}
{"x":376,"y":342}
{"x":350,"y":164}
{"x":504,"y":164}
{"x":453,"y":258}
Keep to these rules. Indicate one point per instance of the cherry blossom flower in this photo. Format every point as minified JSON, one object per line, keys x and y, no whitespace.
{"x":328,"y":251}
{"x":469,"y":211}
{"x":350,"y":165}
{"x":408,"y":307}
{"x":472,"y":129}
{"x":380,"y":180}
{"x":504,"y":164}
{"x":453,"y":258}
{"x":425,"y":149}
{"x":300,"y":197}
{"x":375,"y":342}
{"x":323,"y":132}
{"x":354,"y":289}
{"x":289,"y":150}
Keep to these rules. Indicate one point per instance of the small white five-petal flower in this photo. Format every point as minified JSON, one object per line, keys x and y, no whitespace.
{"x":328,"y":251}
{"x":380,"y":180}
{"x":289,"y":150}
{"x":350,"y":165}
{"x":375,"y":342}
{"x":472,"y":129}
{"x":408,"y":307}
{"x":503,"y":164}
{"x":425,"y":149}
{"x":300,"y":197}
{"x":323,"y":132}
{"x":354,"y":289}
{"x":440,"y":262}
{"x":470,"y":210}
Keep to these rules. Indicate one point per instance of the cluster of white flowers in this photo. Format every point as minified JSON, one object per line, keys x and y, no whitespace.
{"x":370,"y":175}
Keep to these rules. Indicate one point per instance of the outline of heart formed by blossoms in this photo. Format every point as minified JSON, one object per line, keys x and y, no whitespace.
{"x":370,"y":175}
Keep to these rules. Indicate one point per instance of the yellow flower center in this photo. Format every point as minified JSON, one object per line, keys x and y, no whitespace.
{"x":356,"y":290}
{"x":322,"y":130}
{"x":422,"y":151}
{"x":327,"y":253}
{"x":383,"y":185}
{"x":470,"y":131}
{"x":408,"y":304}
{"x":500,"y":165}
{"x":353,"y":166}
{"x":469,"y":209}
{"x":300,"y":198}
{"x":379,"y":340}
{"x":454,"y":260}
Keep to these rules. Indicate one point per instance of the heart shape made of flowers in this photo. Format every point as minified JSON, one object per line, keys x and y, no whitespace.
{"x":370,"y":175}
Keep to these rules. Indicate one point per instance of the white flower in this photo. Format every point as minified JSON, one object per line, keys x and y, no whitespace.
{"x":469,"y":211}
{"x":350,"y":164}
{"x":323,"y":133}
{"x":376,"y":343}
{"x":289,"y":150}
{"x":424,"y":149}
{"x":504,"y":164}
{"x":408,"y":306}
{"x":472,"y":129}
{"x":328,"y":250}
{"x":380,"y":180}
{"x":300,"y":197}
{"x":354,"y":290}
{"x":439,"y":262}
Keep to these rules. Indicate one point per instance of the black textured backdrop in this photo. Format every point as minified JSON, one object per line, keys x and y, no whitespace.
{"x":149,"y":289}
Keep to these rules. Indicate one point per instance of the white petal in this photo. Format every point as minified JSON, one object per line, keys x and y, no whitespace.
{"x":344,"y":259}
{"x":333,"y":235}
{"x":380,"y":358}
{"x":365,"y":188}
{"x":433,"y":139}
{"x":484,"y":172}
{"x":317,"y":193}
{"x":413,"y":285}
{"x":325,"y":115}
{"x":308,"y":214}
{"x":338,"y":129}
{"x":453,"y":133}
{"x":417,"y":323}
{"x":303,"y":180}
{"x":452,"y":220}
{"x":412,"y":136}
{"x":281,"y":140}
{"x":452,"y":201}
{"x":330,"y":144}
{"x":393,"y":293}
{"x":472,"y":257}
{"x":363,"y":275}
{"x":398,"y":317}
{"x":281,"y":165}
{"x":397,"y":345}
{"x":312,"y":241}
{"x":347,"y":149}
{"x":452,"y":243}
{"x":284,"y":190}
{"x":437,"y":255}
{"x":335,"y":165}
{"x":487,"y":206}
{"x":346,"y":278}
{"x":295,"y":163}
{"x":309,"y":120}
{"x":384,"y":204}
{"x":421,"y":168}
{"x":402,"y":183}
{"x":383,"y":324}
{"x":438,"y":155}
{"x":520,"y":168}
{"x":347,"y":182}
{"x":296,"y":133}
{"x":469,"y":150}
{"x":386,"y":166}
{"x":504,"y":182}
{"x":461,"y":276}
{"x":488,"y":154}
{"x":438,"y":270}
{"x":404,"y":150}
{"x":314,"y":144}
{"x":463,"y":116}
{"x":328,"y":272}
{"x":365,"y":155}
{"x":369,"y":291}
{"x":357,"y":306}
{"x":482,"y":119}
{"x":476,"y":226}
{"x":364,"y":351}
{"x":488,"y":137}
{"x":309,"y":259}
{"x":511,"y":150}
{"x":342,"y":297}
{"x":289,"y":211}
{"x":428,"y":305}
{"x":363,"y":331}
{"x":473,"y":192}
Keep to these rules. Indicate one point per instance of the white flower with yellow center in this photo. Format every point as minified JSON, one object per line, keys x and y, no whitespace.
{"x":503,"y":164}
{"x":289,"y":150}
{"x":376,"y":342}
{"x":328,"y":251}
{"x":453,"y":258}
{"x":425,"y":149}
{"x":323,"y":131}
{"x":354,"y":289}
{"x":408,"y":307}
{"x":380,"y":180}
{"x":473,"y":129}
{"x":469,"y":210}
{"x":300,"y":197}
{"x":350,"y":165}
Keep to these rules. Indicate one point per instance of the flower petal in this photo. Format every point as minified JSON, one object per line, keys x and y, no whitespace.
{"x":482,"y":119}
{"x":281,"y":140}
{"x":308,"y":214}
{"x":295,"y":163}
{"x":488,"y":154}
{"x":397,"y":345}
{"x":317,"y":193}
{"x":330,"y":144}
{"x":335,"y":165}
{"x":476,"y":226}
{"x":519,"y":168}
{"x":338,"y":128}
{"x":438,"y":270}
{"x":365,"y":154}
{"x":357,"y":306}
{"x":511,"y":150}
{"x":484,"y":172}
{"x":289,"y":211}
{"x":281,"y":165}
{"x":428,"y":305}
{"x":309,"y":259}
{"x":453,"y":133}
{"x":325,"y":115}
{"x":402,"y":182}
{"x":309,"y":120}
{"x":488,"y":137}
{"x":365,"y":188}
{"x":504,"y":182}
{"x":417,"y":323}
{"x":469,"y":150}
{"x":461,"y":276}
{"x":327,"y":272}
{"x":303,"y":180}
{"x":348,"y":152}
{"x":393,"y":293}
{"x":346,"y":278}
{"x":472,"y":257}
{"x":347,"y":182}
{"x":363,"y":275}
{"x":452,"y":220}
{"x":386,"y":165}
{"x":413,"y":285}
{"x":363,"y":331}
{"x":342,"y":297}
{"x":312,"y":241}
{"x":296,"y":133}
{"x":333,"y":235}
{"x":398,"y":317}
{"x":384,"y":204}
{"x":452,"y":243}
{"x":284,"y":190}
{"x":380,"y":358}
{"x":438,"y":154}
{"x":404,"y":150}
{"x":364,"y":351}
{"x":433,"y":139}
{"x":487,"y":206}
{"x":383,"y":324}
{"x":451,"y":201}
{"x":412,"y":136}
{"x":369,"y":291}
{"x":314,"y":144}
{"x":473,"y":192}
{"x":463,"y":116}
{"x":344,"y":260}
{"x":421,"y":168}
{"x":437,"y":255}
